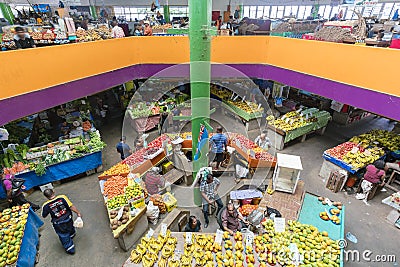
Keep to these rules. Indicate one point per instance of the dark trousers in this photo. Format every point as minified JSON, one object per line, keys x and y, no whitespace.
{"x":206,"y":206}
{"x":66,"y":231}
{"x":20,"y":199}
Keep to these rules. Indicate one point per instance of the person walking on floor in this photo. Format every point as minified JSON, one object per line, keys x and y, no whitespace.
{"x":60,"y":209}
{"x":218,"y":143}
{"x":123,"y":148}
{"x":208,"y":190}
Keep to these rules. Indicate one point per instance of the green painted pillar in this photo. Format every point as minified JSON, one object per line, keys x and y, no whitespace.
{"x":200,"y":75}
{"x":7,"y":13}
{"x":166,"y":14}
{"x":93,"y":12}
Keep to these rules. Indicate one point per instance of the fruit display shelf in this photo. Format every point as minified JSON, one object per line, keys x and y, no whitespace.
{"x":362,"y":150}
{"x":264,"y":250}
{"x":13,"y":222}
{"x":253,"y":154}
{"x":293,"y":125}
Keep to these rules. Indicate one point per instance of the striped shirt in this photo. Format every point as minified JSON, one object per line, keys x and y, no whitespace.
{"x":219,"y":142}
{"x":153,"y":183}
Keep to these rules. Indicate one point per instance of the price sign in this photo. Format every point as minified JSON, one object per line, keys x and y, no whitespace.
{"x":328,"y":202}
{"x":233,"y":95}
{"x":177,"y":254}
{"x":218,"y":237}
{"x":354,"y":150}
{"x":249,"y":239}
{"x":120,"y":213}
{"x":252,"y":154}
{"x":189,"y":238}
{"x":163,"y":229}
{"x":367,"y":152}
{"x":259,"y":106}
{"x":279,"y":224}
{"x":150,"y":233}
{"x":244,"y":98}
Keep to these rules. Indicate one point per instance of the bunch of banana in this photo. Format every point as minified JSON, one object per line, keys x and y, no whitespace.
{"x":188,"y":249}
{"x":173,"y":262}
{"x":136,"y":257}
{"x":270,"y":118}
{"x":239,"y":246}
{"x":201,"y":240}
{"x":171,"y":241}
{"x":144,"y":241}
{"x":162,"y":262}
{"x":141,"y":249}
{"x":219,"y":256}
{"x":186,"y":260}
{"x":209,"y":264}
{"x":208,"y":256}
{"x":200,"y":262}
{"x":167,"y":251}
{"x":198,"y":253}
{"x":216,"y":247}
{"x":149,"y":259}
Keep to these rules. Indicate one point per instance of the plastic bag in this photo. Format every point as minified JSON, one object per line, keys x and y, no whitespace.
{"x":78,"y":223}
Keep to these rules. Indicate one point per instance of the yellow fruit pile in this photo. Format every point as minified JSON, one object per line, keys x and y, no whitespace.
{"x":384,"y":138}
{"x":12,"y":226}
{"x":248,"y":107}
{"x":360,"y":159}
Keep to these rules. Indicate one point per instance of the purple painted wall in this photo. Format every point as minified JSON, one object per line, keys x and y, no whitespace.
{"x":20,"y":106}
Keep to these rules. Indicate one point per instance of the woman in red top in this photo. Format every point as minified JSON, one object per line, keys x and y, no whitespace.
{"x":373,"y":175}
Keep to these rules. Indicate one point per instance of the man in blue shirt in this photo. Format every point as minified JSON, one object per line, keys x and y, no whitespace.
{"x":218,"y":143}
{"x":123,"y":148}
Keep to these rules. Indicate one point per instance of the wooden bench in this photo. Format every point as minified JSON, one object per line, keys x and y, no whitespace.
{"x":176,"y":221}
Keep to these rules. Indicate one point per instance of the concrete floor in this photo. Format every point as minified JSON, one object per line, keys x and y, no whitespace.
{"x":96,"y":246}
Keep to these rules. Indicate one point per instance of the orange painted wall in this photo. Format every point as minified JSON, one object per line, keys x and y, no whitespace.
{"x":367,"y":67}
{"x":34,"y":69}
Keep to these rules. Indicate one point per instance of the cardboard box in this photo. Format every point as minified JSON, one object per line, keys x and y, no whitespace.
{"x":166,"y":167}
{"x":170,"y":201}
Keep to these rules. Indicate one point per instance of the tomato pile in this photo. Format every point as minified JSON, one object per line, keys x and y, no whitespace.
{"x":245,"y":210}
{"x":135,"y":158}
{"x":245,"y":142}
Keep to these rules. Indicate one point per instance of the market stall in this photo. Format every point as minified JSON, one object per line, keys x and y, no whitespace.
{"x":295,"y":124}
{"x":237,"y":106}
{"x":20,"y":232}
{"x":269,"y":248}
{"x":54,"y":161}
{"x":145,"y":116}
{"x":355,"y":154}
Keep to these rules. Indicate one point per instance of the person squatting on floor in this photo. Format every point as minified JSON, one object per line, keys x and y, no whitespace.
{"x":60,"y":209}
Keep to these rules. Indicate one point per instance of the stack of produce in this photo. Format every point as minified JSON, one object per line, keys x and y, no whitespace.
{"x":246,"y":144}
{"x":116,"y":202}
{"x":333,"y":34}
{"x":341,"y":150}
{"x":12,"y":223}
{"x":248,"y":107}
{"x":162,"y":27}
{"x":221,"y":93}
{"x":117,"y":222}
{"x":136,"y":158}
{"x":383,"y":138}
{"x":120,"y":169}
{"x":395,"y":198}
{"x":289,"y":122}
{"x":268,"y":249}
{"x":362,"y":157}
{"x":114,"y":186}
{"x":158,"y":201}
{"x":245,"y":210}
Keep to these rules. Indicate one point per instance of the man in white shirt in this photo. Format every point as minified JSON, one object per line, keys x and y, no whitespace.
{"x":117,"y":32}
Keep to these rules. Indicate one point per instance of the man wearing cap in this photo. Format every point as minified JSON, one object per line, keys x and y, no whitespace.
{"x":148,"y":31}
{"x":154,"y":181}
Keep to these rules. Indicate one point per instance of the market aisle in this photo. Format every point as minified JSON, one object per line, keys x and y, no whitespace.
{"x":97,"y":247}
